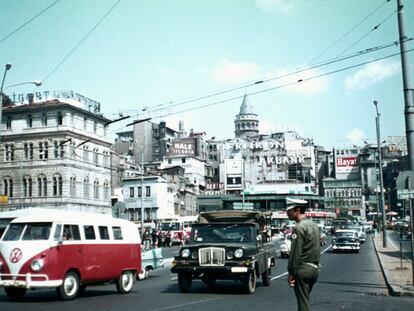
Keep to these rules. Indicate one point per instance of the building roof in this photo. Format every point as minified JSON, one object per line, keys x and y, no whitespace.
{"x":246,"y":107}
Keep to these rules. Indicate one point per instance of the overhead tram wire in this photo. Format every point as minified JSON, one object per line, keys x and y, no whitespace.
{"x":349,"y":31}
{"x":28,"y":22}
{"x":81,"y":41}
{"x":368,"y":33}
{"x":286,"y":84}
{"x":326,"y":63}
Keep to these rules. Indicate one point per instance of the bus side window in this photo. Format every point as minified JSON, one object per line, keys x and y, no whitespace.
{"x":89,"y":232}
{"x":103,"y":233}
{"x":71,"y":232}
{"x":58,"y":232}
{"x":117,"y":233}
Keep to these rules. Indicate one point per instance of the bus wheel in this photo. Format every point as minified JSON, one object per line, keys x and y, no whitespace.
{"x":125,"y":282}
{"x":70,"y":286}
{"x":15,"y":293}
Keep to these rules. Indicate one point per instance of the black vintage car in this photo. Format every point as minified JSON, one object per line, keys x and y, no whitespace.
{"x":226,"y":245}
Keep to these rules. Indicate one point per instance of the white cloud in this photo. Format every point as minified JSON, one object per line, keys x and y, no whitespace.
{"x":371,"y":74}
{"x":276,"y":6}
{"x":303,"y":83}
{"x":356,"y":136}
{"x":226,"y":72}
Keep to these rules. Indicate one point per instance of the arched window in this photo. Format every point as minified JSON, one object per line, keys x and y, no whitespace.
{"x":95,"y":155}
{"x":106,"y":190}
{"x":42,"y":186}
{"x":86,"y":187}
{"x":8,"y":186}
{"x":27,"y":186}
{"x":57,"y":185}
{"x":96,"y":189}
{"x":73,"y":186}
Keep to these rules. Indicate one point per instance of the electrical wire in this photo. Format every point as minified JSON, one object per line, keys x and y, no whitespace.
{"x":251,"y":84}
{"x":349,"y":31}
{"x":80,"y":42}
{"x":28,"y":22}
{"x":368,"y":33}
{"x":286,"y":84}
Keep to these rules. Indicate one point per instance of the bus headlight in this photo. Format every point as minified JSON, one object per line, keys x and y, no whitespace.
{"x":238,"y":253}
{"x":185,"y":253}
{"x":37,"y":265}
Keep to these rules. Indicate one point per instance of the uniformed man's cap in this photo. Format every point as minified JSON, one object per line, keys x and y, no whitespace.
{"x":291,"y":203}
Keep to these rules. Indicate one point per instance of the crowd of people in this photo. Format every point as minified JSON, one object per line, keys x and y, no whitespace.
{"x":156,"y":238}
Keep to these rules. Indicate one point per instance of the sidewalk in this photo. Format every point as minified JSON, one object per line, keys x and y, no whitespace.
{"x":397,"y":276}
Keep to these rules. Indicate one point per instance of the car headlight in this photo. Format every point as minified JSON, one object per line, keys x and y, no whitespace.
{"x":185,"y":253}
{"x":334,"y":240}
{"x":238,"y":253}
{"x":37,"y":265}
{"x":283,"y":247}
{"x":230,"y":255}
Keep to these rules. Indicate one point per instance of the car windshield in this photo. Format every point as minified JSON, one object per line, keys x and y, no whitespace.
{"x":31,"y":231}
{"x":222,"y":233}
{"x":345,"y":234}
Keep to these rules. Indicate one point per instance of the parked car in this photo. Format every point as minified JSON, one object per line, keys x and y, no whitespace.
{"x":285,"y":246}
{"x":151,"y":259}
{"x":346,"y":240}
{"x":361,"y":232}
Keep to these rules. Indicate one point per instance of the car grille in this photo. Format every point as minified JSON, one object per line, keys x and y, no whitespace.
{"x":211,"y":256}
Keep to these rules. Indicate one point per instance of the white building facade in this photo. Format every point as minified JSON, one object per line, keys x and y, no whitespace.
{"x":54,"y":154}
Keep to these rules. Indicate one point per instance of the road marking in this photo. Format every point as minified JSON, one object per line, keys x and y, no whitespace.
{"x":186,"y":304}
{"x":286,"y":273}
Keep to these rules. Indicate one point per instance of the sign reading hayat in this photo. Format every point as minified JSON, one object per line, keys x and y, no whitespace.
{"x":346,"y":164}
{"x":183,"y":147}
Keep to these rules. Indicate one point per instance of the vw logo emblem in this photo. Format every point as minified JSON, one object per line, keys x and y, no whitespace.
{"x":15,"y":255}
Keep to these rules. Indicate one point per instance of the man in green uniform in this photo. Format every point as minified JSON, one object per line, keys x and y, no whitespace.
{"x":303,"y":265}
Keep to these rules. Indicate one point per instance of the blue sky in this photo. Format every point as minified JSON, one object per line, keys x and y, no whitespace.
{"x":146,"y":55}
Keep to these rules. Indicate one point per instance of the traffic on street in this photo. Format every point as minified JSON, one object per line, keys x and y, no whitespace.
{"x":348,"y":281}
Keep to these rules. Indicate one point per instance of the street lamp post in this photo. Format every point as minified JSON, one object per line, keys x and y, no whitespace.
{"x":384,"y":223}
{"x":7,"y":68}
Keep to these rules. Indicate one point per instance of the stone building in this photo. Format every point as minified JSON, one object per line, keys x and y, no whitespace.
{"x":54,"y":154}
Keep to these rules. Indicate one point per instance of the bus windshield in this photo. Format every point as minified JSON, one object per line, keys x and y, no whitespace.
{"x":167,"y":226}
{"x":31,"y":231}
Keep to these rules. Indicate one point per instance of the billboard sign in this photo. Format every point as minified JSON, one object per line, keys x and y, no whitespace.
{"x":234,"y":173}
{"x":346,"y":165}
{"x":185,"y":147}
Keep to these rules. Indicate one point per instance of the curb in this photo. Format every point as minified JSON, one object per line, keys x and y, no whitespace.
{"x":393,"y":290}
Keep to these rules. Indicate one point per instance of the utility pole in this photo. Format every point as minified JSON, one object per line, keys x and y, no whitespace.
{"x":408,"y":109}
{"x":381,"y":196}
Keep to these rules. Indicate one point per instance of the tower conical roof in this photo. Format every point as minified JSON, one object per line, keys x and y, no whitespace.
{"x":246,"y":107}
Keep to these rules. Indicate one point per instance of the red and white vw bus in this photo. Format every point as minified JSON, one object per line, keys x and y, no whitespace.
{"x":68,"y":251}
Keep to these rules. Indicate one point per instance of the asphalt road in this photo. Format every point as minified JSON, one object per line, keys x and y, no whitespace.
{"x":348,"y":281}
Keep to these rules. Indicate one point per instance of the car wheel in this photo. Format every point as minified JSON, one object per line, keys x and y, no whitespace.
{"x":125,"y":282}
{"x":184,"y":282}
{"x":15,"y":293}
{"x":249,"y":282}
{"x":70,"y":286}
{"x":266,"y":277}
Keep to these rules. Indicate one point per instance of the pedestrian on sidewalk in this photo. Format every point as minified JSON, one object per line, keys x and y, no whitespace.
{"x":303,"y":264}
